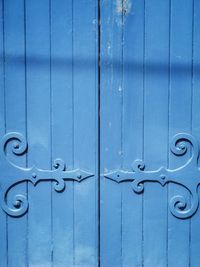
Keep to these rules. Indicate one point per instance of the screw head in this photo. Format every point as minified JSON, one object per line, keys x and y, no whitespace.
{"x":34,"y":175}
{"x":16,"y":145}
{"x":162,"y":176}
{"x":79,"y":176}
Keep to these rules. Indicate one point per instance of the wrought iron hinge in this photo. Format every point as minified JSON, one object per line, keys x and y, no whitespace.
{"x":13,"y":175}
{"x":187,"y":176}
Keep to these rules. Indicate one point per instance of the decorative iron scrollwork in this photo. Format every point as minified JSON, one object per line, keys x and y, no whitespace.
{"x":187,"y":176}
{"x":13,"y":175}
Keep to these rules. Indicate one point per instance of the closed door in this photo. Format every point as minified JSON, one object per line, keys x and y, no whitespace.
{"x":99,"y":119}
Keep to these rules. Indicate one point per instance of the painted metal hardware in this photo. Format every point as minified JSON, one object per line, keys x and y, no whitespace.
{"x":14,"y":175}
{"x":187,"y":176}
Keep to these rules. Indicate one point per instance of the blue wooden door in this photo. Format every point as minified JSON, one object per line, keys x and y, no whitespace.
{"x":150,"y":95}
{"x":48,"y":97}
{"x":99,"y":126}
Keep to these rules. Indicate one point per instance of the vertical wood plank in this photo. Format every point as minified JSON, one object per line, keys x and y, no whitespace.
{"x":180,"y":119}
{"x":62,"y":130}
{"x":39,"y":136}
{"x":15,"y":118}
{"x":155,"y":128}
{"x":111,"y":131}
{"x":85,"y":93}
{"x":133,"y":42}
{"x":3,"y":228}
{"x":195,"y":233}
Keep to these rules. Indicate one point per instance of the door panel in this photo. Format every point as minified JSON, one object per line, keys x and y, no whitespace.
{"x":104,"y":86}
{"x":180,"y":116}
{"x":49,"y":94}
{"x":38,"y":129}
{"x":148,"y":93}
{"x":111,"y":67}
{"x":155,"y":121}
{"x":195,"y":231}
{"x":61,"y":48}
{"x":13,"y":96}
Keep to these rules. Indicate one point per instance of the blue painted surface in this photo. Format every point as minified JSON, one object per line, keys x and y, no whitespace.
{"x":49,"y":94}
{"x":99,"y":97}
{"x":149,"y":81}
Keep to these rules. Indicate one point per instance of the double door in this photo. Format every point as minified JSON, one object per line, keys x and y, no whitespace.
{"x":99,"y":119}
